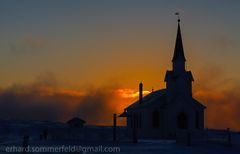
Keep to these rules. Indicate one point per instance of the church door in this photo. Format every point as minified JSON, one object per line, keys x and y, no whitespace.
{"x":155,"y":119}
{"x":182,"y":121}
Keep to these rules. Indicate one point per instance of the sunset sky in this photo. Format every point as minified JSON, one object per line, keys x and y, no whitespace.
{"x":75,"y":48}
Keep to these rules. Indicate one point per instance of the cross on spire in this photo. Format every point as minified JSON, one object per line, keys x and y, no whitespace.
{"x":178,"y":16}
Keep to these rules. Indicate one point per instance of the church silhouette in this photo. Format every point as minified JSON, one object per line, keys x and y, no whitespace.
{"x":162,"y":113}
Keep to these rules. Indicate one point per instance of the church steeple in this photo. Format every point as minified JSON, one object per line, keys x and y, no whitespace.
{"x":178,"y":80}
{"x":178,"y":59}
{"x":178,"y":51}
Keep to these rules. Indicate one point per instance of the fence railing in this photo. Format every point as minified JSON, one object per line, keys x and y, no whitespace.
{"x":208,"y":136}
{"x":88,"y":134}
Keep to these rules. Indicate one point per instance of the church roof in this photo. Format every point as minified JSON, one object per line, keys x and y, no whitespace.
{"x":199,"y":104}
{"x":150,"y":99}
{"x":159,"y":97}
{"x":178,"y":51}
{"x":76,"y":120}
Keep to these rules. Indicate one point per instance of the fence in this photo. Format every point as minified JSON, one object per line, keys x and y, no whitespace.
{"x":99,"y":133}
{"x":208,"y":136}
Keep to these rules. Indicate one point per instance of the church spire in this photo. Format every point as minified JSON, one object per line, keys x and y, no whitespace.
{"x":178,"y":56}
{"x":178,"y":51}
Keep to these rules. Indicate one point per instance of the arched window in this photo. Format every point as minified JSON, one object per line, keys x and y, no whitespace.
{"x":197,"y":120}
{"x":182,"y":121}
{"x":155,"y":119}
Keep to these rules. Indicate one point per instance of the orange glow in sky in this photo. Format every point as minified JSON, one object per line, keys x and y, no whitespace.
{"x":130,"y":93}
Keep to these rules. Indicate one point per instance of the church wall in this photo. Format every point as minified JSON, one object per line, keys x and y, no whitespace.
{"x":185,"y":86}
{"x":168,"y":119}
{"x":172,"y":112}
{"x":170,"y":90}
{"x":180,"y":85}
{"x":147,"y":130}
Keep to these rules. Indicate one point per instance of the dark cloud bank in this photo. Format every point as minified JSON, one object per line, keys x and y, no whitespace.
{"x":96,"y":106}
{"x":44,"y":100}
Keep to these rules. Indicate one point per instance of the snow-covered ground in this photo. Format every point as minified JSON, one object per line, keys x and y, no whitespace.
{"x":97,"y":138}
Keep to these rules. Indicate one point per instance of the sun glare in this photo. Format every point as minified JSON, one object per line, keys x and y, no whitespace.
{"x":130,"y":93}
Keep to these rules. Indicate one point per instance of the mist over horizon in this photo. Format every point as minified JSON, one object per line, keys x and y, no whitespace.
{"x":45,"y":99}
